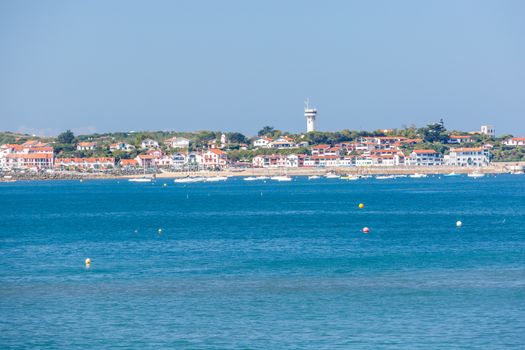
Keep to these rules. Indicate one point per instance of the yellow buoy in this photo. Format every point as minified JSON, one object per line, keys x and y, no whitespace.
{"x":361,"y":205}
{"x":88,"y":261}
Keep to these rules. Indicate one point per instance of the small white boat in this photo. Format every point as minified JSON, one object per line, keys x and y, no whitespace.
{"x":190,"y":180}
{"x":400,"y":176}
{"x":518,"y":172}
{"x":350,"y":178}
{"x":417,"y":176}
{"x":281,"y":178}
{"x":139,"y":179}
{"x":255,"y":178}
{"x":314,"y":177}
{"x":332,"y":176}
{"x":452,"y":174}
{"x":216,"y":179}
{"x":475,"y":175}
{"x":385,"y":177}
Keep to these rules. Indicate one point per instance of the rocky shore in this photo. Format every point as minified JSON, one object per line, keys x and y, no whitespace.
{"x":494,"y":168}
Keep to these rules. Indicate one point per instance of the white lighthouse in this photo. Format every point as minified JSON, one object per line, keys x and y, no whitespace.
{"x":310,"y":114}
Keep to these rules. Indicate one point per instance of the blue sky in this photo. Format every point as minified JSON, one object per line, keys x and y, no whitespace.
{"x":239,"y":65}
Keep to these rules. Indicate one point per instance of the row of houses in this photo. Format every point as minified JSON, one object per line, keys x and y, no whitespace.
{"x":456,"y":157}
{"x":515,"y":141}
{"x":31,"y":154}
{"x":174,"y":143}
{"x":39,"y":156}
{"x":285,"y":142}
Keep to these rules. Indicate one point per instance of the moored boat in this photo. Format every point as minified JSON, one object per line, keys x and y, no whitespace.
{"x":332,"y":176}
{"x":475,"y":175}
{"x":190,"y":180}
{"x":140,"y":179}
{"x":281,"y":178}
{"x":216,"y":179}
{"x":255,"y":178}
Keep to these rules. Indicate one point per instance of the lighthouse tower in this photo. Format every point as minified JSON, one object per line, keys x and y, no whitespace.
{"x":310,"y":114}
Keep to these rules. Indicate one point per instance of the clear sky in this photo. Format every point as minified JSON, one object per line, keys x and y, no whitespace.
{"x":240,"y":65}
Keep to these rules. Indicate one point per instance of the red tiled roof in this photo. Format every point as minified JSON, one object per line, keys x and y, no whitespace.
{"x":31,"y":156}
{"x":87,"y":144}
{"x":424,"y":151}
{"x":128,"y":162}
{"x":85,"y":160}
{"x":460,"y":136}
{"x":471,"y":149}
{"x":42,"y":149}
{"x":217,"y":151}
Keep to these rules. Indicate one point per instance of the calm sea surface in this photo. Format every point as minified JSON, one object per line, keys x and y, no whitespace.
{"x":253,"y":265}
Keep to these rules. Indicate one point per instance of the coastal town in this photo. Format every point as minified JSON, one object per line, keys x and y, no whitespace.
{"x":134,"y":152}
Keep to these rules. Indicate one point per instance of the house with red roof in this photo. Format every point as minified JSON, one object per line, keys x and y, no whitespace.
{"x":86,"y":146}
{"x":467,"y":156}
{"x":212,"y":158}
{"x":425,"y":157}
{"x":515,"y":141}
{"x":459,"y":139}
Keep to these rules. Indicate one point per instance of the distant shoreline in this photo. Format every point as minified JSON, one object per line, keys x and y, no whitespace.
{"x":493,"y":168}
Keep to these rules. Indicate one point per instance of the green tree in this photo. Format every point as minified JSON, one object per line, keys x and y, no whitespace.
{"x":266,"y":130}
{"x":237,"y":137}
{"x":434,"y":133}
{"x":67,"y":137}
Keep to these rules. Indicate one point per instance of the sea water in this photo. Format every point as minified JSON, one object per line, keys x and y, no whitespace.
{"x":263,"y":265}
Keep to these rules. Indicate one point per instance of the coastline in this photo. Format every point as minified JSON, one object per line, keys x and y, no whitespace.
{"x":493,"y":168}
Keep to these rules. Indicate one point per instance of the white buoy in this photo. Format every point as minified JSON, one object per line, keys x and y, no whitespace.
{"x":159,"y":231}
{"x":459,"y":223}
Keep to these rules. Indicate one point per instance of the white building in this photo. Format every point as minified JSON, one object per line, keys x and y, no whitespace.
{"x":262,"y":142}
{"x":488,"y":130}
{"x":425,"y":157}
{"x":363,"y":161}
{"x":475,"y":156}
{"x":179,"y":160}
{"x":177,"y":142}
{"x":100,"y":163}
{"x":86,"y":146}
{"x":121,"y":146}
{"x":515,"y":141}
{"x":30,"y":155}
{"x":149,"y":143}
{"x":283,"y":142}
{"x":212,"y":158}
{"x":310,"y":114}
{"x":459,"y":139}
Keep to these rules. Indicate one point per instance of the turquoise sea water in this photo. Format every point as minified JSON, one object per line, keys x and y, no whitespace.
{"x":252,"y":265}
